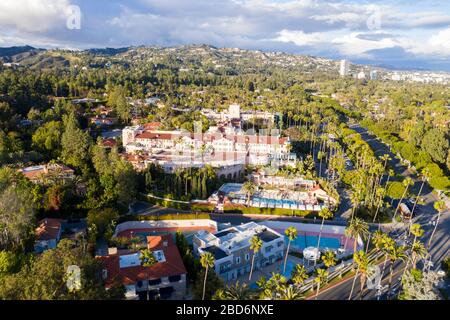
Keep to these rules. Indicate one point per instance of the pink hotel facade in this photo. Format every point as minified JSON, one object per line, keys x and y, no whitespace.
{"x":219,"y":147}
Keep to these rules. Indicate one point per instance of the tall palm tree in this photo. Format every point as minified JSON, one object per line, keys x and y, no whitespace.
{"x":362,"y":261}
{"x":325,"y":213}
{"x":395,"y":253}
{"x":425,"y":177}
{"x":357,"y":228}
{"x":299,"y":274}
{"x":249,"y":188}
{"x":440,"y":207}
{"x":418,"y":251}
{"x":406,"y":183}
{"x":329,"y":259}
{"x":321,"y":278}
{"x":385,"y":243}
{"x":207,"y":261}
{"x":291,"y":233}
{"x":147,"y":259}
{"x":255,"y":245}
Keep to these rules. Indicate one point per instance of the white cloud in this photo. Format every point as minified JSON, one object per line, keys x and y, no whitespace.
{"x":33,"y":15}
{"x":301,"y":38}
{"x":437,"y":44}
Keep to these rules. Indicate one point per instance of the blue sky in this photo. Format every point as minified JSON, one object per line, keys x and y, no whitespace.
{"x":395,"y":33}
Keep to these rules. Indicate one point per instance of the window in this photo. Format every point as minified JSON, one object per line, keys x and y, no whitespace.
{"x":154,"y":282}
{"x":247,"y":257}
{"x":280,"y":243}
{"x":175,"y":278}
{"x":238,"y":260}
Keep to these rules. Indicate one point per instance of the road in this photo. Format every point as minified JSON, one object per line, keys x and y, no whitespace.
{"x":380,"y":149}
{"x":425,"y":215}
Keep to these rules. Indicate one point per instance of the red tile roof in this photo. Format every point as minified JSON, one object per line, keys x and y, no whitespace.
{"x":48,"y":229}
{"x":152,"y":125}
{"x":130,"y":275}
{"x":109,"y":142}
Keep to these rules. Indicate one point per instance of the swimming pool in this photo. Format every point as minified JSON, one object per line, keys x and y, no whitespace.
{"x":289,"y":267}
{"x":304,"y":241}
{"x":275,"y":201}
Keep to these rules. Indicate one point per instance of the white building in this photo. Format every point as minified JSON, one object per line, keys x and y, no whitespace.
{"x":361,"y":75}
{"x":344,"y":68}
{"x":231,"y":248}
{"x":373,"y":75}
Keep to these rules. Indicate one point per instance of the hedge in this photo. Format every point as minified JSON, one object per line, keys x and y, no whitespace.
{"x":268,"y":211}
{"x":168,"y":203}
{"x":202,"y":207}
{"x":170,"y":216}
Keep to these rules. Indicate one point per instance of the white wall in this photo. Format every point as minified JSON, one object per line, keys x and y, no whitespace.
{"x":206,"y":223}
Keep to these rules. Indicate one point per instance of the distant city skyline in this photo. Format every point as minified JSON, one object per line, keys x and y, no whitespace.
{"x":387,"y":33}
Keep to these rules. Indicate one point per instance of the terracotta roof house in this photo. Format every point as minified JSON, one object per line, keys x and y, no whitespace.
{"x":164,"y":280}
{"x":48,"y":234}
{"x":46,"y":172}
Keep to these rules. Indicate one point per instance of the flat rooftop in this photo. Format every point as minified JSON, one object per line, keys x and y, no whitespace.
{"x":267,"y":236}
{"x":216,"y":252}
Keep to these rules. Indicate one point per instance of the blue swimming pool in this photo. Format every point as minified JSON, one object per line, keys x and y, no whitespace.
{"x":276,"y":201}
{"x":289,"y":267}
{"x":302,"y":242}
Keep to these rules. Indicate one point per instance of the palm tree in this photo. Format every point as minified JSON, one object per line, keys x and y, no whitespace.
{"x":425,"y":177}
{"x":329,"y":258}
{"x":325,"y":213}
{"x":362,"y":261}
{"x":395,"y":253}
{"x":406,"y":183}
{"x":291,"y":293}
{"x":234,"y":292}
{"x":418,"y":251}
{"x":299,"y":274}
{"x":291,"y":233}
{"x":207,"y":261}
{"x":321,"y":278}
{"x":255,"y":245}
{"x":249,"y":188}
{"x":357,"y":228}
{"x":147,"y":258}
{"x":385,"y":243}
{"x":275,"y":285}
{"x":385,"y":157}
{"x":440,"y":207}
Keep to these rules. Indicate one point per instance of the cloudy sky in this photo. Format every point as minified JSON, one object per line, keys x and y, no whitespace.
{"x":395,"y":33}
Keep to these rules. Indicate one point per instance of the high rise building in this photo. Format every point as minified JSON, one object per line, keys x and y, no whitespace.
{"x":345,"y":68}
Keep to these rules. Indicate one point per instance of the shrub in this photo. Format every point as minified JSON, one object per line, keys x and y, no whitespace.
{"x":241,"y":209}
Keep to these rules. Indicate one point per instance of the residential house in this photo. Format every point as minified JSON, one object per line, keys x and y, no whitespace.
{"x":164,"y":280}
